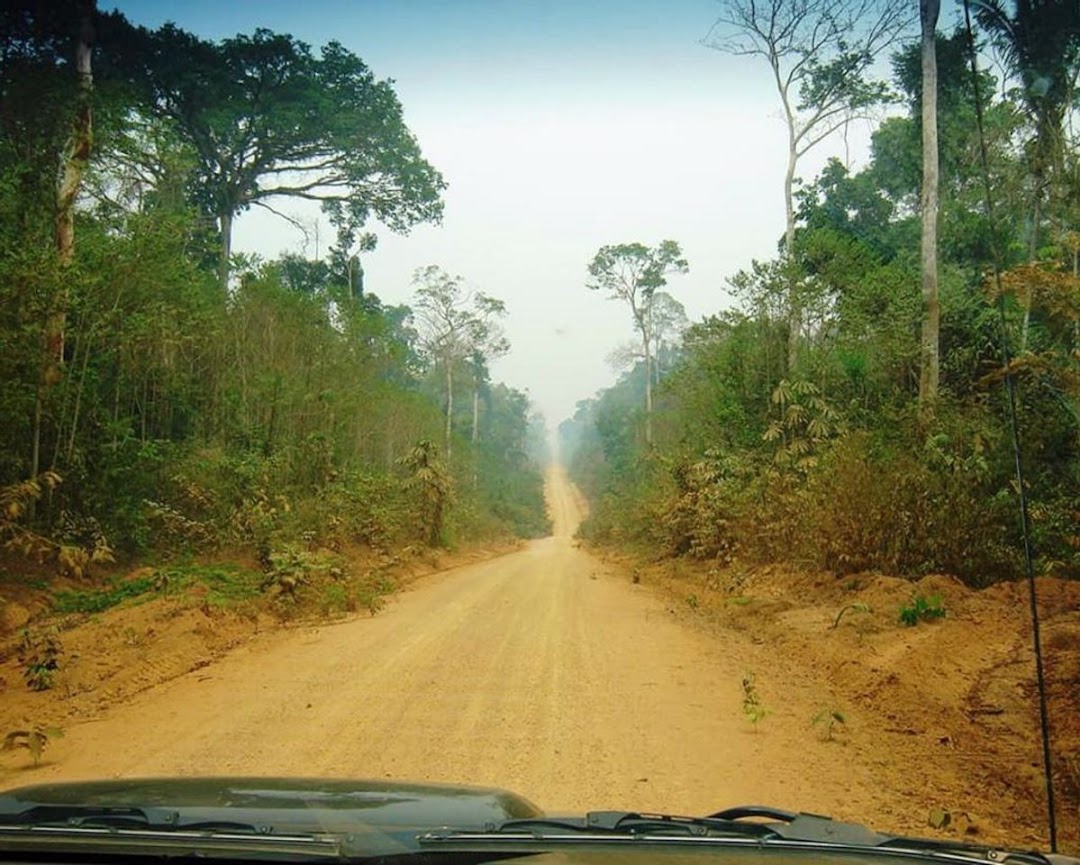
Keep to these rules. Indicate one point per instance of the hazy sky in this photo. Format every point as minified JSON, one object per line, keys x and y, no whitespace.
{"x":560,"y":126}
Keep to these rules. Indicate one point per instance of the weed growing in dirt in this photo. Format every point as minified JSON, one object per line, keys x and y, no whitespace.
{"x":34,"y":739}
{"x":692,"y":601}
{"x":288,"y":570}
{"x":39,"y":653}
{"x":850,"y":608}
{"x":829,"y":721}
{"x":751,"y":704}
{"x":922,"y":609}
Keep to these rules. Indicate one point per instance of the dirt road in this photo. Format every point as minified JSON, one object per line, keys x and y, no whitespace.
{"x":537,"y":671}
{"x":552,"y":673}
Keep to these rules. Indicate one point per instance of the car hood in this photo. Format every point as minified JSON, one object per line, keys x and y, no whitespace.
{"x":382,"y":816}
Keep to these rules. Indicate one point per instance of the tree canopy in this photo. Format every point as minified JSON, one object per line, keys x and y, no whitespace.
{"x":266,"y":118}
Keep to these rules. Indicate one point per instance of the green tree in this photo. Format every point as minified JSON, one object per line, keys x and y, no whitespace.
{"x":819,"y":53}
{"x":267,"y":119}
{"x":634,"y":273}
{"x":1040,"y":44}
{"x":456,"y":324}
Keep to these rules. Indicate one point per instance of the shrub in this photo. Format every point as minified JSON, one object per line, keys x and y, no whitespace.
{"x":922,"y":609}
{"x":39,"y":653}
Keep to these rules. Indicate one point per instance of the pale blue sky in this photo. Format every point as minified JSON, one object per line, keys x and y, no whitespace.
{"x":560,"y":126}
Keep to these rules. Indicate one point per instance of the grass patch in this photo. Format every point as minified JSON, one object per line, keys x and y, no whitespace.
{"x":227,"y":584}
{"x":103,"y":599}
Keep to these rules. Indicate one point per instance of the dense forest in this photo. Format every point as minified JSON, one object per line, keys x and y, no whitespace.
{"x":162,"y":394}
{"x":851,"y":410}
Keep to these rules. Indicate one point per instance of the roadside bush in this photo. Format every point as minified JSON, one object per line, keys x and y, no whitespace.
{"x":892,"y":500}
{"x":39,"y":653}
{"x":922,"y":609}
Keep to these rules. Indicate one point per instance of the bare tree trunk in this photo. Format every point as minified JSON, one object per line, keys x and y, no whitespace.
{"x":78,"y":399}
{"x":476,"y":412}
{"x":475,"y":430}
{"x":929,"y":368}
{"x":1076,"y":272}
{"x":449,"y":364}
{"x":794,"y":314}
{"x":75,"y":159}
{"x":648,"y":391}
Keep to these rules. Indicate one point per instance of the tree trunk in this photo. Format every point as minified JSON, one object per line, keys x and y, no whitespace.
{"x":648,"y":392}
{"x":75,"y":159}
{"x":794,"y":314}
{"x":225,"y":222}
{"x":476,"y":412}
{"x":449,"y":364}
{"x":929,"y":367}
{"x":1033,"y":254}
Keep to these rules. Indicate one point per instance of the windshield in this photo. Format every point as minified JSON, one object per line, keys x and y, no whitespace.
{"x":655,"y":406}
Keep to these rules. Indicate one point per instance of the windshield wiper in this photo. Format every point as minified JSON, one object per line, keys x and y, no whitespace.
{"x":733,"y":826}
{"x":150,"y":819}
{"x":616,"y":823}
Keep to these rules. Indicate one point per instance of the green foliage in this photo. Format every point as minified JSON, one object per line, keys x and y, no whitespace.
{"x":829,"y":721}
{"x":807,"y":447}
{"x":288,"y":570}
{"x":428,"y":480}
{"x":34,"y":739}
{"x":227,"y":585}
{"x":751,"y":701}
{"x":16,"y":500}
{"x":103,"y":599}
{"x":39,"y":653}
{"x":265,"y":117}
{"x":189,"y":420}
{"x":922,"y":609}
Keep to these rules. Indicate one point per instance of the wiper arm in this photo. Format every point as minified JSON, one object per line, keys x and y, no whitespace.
{"x":728,"y":827}
{"x":638,"y":823}
{"x":150,"y":819}
{"x":602,"y":825}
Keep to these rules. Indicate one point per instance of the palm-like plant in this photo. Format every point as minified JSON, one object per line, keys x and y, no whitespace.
{"x":1040,"y":45}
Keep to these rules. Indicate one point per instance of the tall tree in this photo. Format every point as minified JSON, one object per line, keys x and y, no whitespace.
{"x":819,"y":53}
{"x":669,"y":322}
{"x":456,"y":324}
{"x":929,"y":363}
{"x":73,"y":162}
{"x":268,"y":119}
{"x":634,"y":273}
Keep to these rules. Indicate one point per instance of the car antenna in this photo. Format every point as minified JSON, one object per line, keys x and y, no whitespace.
{"x":1010,"y":388}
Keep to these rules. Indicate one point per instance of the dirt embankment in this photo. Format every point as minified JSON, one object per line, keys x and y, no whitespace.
{"x":589,"y":683}
{"x":108,"y":658}
{"x":943,"y":712}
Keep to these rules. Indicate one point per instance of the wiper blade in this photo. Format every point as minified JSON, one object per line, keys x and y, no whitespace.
{"x":728,"y":827}
{"x":634,"y":823}
{"x":601,"y":826}
{"x":152,"y":819}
